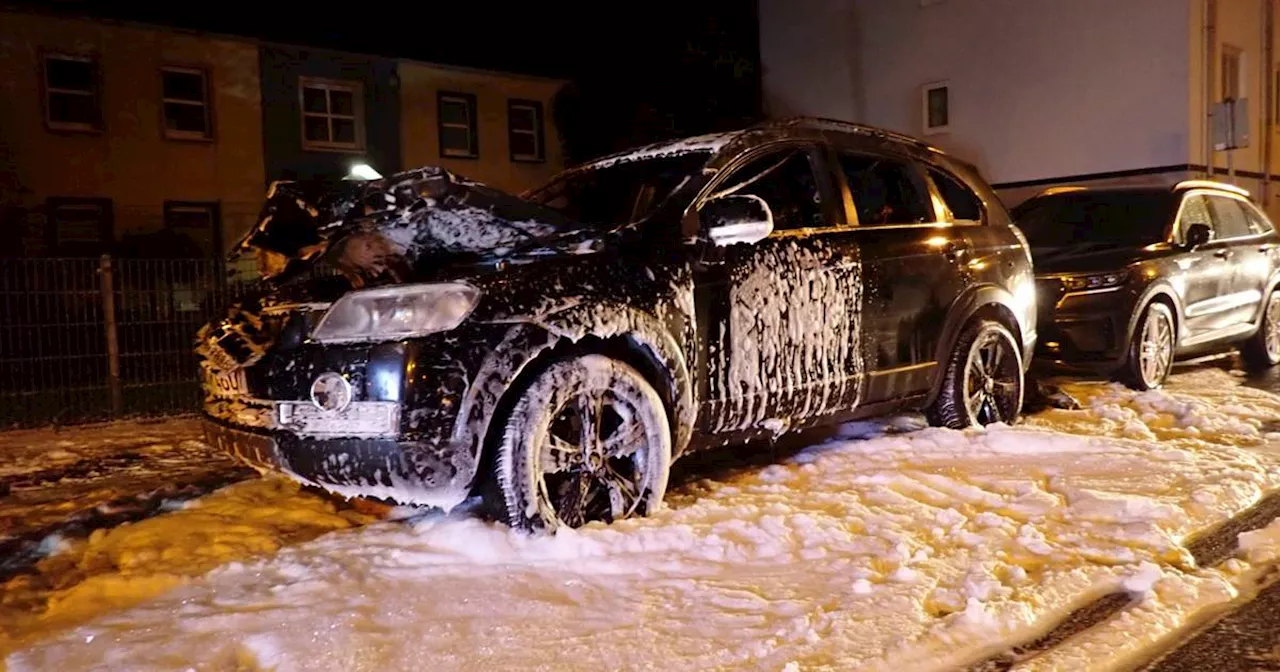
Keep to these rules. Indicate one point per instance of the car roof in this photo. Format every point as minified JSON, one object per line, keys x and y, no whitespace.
{"x":1185,"y":185}
{"x":714,"y":142}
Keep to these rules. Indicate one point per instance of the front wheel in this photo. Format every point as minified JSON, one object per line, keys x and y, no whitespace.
{"x":1263,"y":350}
{"x":983,"y":381}
{"x":1150,"y":350}
{"x":587,"y":440}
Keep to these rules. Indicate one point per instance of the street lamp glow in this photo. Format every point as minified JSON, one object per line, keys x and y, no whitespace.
{"x":363,"y":171}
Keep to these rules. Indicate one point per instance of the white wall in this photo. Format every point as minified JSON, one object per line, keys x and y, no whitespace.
{"x":1039,"y":88}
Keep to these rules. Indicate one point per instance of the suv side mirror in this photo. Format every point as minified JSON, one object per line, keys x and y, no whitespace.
{"x":736,"y":218}
{"x":1198,"y":234}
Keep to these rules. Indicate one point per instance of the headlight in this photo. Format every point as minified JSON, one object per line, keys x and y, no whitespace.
{"x":1076,"y":283}
{"x":390,"y":313}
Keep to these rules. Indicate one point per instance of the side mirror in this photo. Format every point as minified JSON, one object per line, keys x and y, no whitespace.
{"x":1198,"y":234}
{"x":736,"y":218}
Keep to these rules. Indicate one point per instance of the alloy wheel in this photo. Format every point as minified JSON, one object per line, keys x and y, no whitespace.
{"x":992,"y":379}
{"x":1271,"y":323}
{"x":1155,"y":354}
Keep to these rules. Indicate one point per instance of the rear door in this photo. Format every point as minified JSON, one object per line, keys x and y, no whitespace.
{"x":1246,"y":252}
{"x":913,"y":251}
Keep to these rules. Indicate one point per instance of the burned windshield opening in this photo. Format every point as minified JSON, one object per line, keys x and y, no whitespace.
{"x":620,"y":193}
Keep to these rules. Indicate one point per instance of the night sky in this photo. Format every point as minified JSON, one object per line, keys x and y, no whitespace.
{"x":641,"y":71}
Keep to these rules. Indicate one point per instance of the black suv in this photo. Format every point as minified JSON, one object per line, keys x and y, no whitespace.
{"x":428,"y":338}
{"x":1132,"y":278}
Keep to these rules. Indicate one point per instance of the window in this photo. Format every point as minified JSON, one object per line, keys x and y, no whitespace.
{"x":71,"y":93}
{"x":79,"y":226}
{"x":785,"y":181}
{"x":198,"y":223}
{"x":959,"y":199}
{"x":1102,"y":218}
{"x":1232,"y":72}
{"x":1195,"y":210}
{"x":885,"y":191}
{"x":185,"y":95}
{"x":332,"y":115}
{"x":524,"y":131}
{"x":1229,"y":218}
{"x":619,"y":193}
{"x":1258,"y":222}
{"x":458,"y":125}
{"x":936,"y":103}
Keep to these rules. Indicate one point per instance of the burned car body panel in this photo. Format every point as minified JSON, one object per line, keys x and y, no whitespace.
{"x":836,"y":319}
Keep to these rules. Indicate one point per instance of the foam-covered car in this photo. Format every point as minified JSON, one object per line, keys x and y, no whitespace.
{"x":426,"y":338}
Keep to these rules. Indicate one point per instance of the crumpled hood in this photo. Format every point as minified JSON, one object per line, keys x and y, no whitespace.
{"x":401,"y":223}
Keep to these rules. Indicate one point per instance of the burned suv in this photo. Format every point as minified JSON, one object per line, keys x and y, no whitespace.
{"x":427,"y":338}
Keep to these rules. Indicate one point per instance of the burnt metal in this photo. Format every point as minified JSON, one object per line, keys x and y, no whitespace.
{"x":840,"y":320}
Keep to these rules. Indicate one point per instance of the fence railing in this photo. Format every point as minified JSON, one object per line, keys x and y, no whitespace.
{"x":93,"y":339}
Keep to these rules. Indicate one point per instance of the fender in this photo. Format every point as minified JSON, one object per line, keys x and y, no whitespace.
{"x":1158,"y":288}
{"x":1271,"y":286}
{"x":646,"y":333}
{"x":962,"y":310}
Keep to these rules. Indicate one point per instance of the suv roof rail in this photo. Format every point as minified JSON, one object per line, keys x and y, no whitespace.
{"x":850,"y":126}
{"x":1210,"y":184}
{"x":1062,"y":190}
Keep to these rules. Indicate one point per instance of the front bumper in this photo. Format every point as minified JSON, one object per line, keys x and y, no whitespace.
{"x":1084,"y":331}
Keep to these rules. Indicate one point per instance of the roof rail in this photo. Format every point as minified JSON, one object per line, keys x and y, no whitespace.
{"x":1210,"y":184}
{"x":849,"y":126}
{"x":1062,"y":190}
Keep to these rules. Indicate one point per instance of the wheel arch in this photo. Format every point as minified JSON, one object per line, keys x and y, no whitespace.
{"x":634,"y":337}
{"x":982,"y":302}
{"x":1164,"y":293}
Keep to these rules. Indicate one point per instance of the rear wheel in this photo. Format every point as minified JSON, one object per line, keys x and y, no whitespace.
{"x":588,"y":439}
{"x":983,"y":382}
{"x":1262,"y":351}
{"x":1151,"y":349}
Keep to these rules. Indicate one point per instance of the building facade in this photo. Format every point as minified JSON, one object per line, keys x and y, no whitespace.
{"x":145,"y":141}
{"x":115,"y":135}
{"x":1039,"y":93}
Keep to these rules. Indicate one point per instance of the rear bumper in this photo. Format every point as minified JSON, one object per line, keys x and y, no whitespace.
{"x":405,"y":472}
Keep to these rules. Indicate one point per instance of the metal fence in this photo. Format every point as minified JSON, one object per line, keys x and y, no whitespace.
{"x":93,"y":339}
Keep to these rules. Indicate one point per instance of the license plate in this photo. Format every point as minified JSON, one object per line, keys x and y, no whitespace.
{"x":227,"y":383}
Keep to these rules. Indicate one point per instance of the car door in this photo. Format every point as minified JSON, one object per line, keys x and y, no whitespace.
{"x":913,"y":251}
{"x":1244,"y":252}
{"x":1204,"y":274}
{"x":779,"y":317}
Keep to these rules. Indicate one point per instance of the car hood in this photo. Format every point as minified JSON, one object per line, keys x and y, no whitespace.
{"x":1083,"y":259}
{"x":394,"y":227}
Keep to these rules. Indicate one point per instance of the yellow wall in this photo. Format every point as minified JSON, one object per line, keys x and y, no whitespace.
{"x":130,"y":161}
{"x":419,"y":134}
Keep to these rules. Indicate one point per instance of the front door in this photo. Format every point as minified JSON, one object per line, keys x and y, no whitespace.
{"x":1205,"y":272}
{"x":1246,"y":254}
{"x":780,"y":317}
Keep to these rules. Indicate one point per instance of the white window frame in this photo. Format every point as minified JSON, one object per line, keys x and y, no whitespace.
{"x":176,"y":134}
{"x":49,"y":90}
{"x":356,"y":89}
{"x":472,"y":151}
{"x":539,"y":153}
{"x":924,"y":107}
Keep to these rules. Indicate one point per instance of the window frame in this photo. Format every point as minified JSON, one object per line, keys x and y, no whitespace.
{"x":106,"y":231}
{"x":1241,"y":78}
{"x":538,"y":134}
{"x":933,"y":196}
{"x":925,"y":90}
{"x":47,"y":92}
{"x":1244,"y":207}
{"x":819,"y":162}
{"x":357,"y":116}
{"x":173,"y":134}
{"x":472,"y":126}
{"x":1176,"y":234}
{"x":942,"y":209}
{"x":214,"y":208}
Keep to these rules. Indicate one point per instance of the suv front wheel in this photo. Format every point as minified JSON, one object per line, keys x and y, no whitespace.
{"x":588,"y":439}
{"x":1151,"y":349}
{"x":983,"y":379}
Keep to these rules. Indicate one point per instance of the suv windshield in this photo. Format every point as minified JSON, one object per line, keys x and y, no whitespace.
{"x":1111,"y":218}
{"x":620,"y":193}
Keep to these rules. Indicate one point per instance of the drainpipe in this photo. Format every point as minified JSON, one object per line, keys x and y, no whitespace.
{"x":1268,"y":94}
{"x":1210,"y":9}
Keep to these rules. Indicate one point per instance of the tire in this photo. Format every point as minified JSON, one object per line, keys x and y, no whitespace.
{"x":1151,"y":348}
{"x":969,"y":397}
{"x":1262,"y":350}
{"x":588,"y":439}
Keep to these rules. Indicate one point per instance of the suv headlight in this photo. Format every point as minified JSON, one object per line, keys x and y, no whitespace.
{"x":1076,"y":283}
{"x":390,"y":313}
